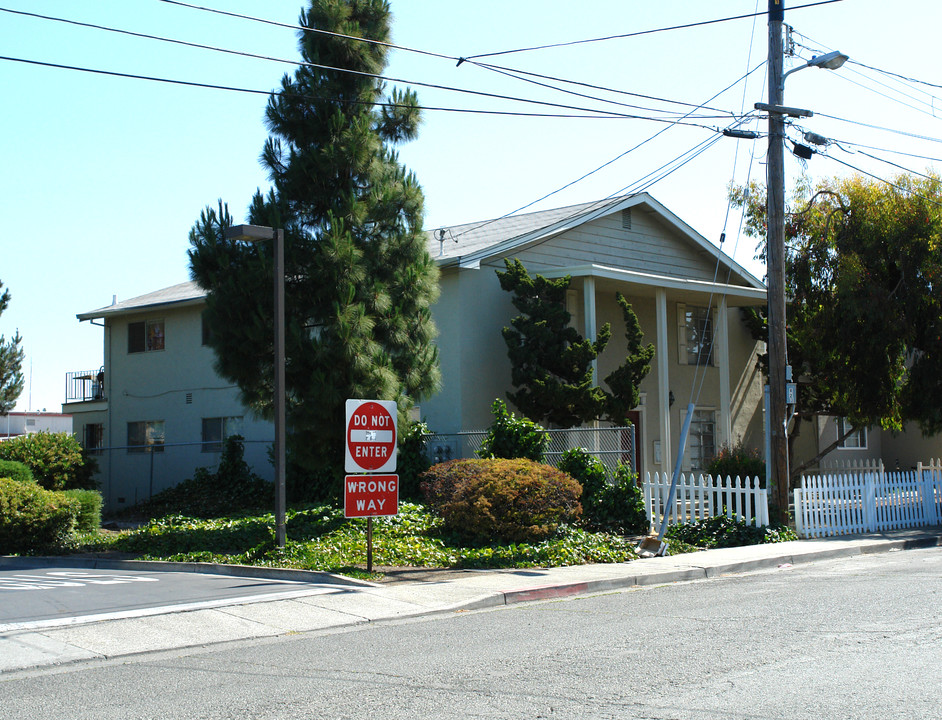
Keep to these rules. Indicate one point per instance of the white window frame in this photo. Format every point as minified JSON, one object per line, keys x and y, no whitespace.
{"x":698,"y":463}
{"x":857,"y":440}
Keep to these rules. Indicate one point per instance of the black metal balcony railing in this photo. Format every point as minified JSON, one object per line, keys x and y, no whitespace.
{"x":85,"y":385}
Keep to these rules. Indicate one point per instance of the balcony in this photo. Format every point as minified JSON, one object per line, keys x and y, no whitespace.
{"x":85,"y":386}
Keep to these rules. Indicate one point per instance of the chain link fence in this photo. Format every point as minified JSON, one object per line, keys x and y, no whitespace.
{"x":613,"y":446}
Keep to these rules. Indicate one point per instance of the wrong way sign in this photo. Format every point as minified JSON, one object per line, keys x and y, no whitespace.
{"x":370,"y":495}
{"x":370,"y":436}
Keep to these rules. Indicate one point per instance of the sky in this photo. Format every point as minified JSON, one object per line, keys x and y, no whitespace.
{"x":102,"y":177}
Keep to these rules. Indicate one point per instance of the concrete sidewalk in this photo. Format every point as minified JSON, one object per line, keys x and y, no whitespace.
{"x":336,"y":601}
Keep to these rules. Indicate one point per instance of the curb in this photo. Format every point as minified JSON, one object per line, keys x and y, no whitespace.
{"x":249,"y":571}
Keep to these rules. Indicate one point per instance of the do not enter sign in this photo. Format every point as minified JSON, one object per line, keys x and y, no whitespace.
{"x":371,"y":436}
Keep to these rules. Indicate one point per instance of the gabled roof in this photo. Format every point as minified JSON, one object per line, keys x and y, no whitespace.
{"x":467,"y":245}
{"x":187,"y":293}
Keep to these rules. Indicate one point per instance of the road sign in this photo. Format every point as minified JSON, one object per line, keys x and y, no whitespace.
{"x":370,"y":495}
{"x":371,"y":436}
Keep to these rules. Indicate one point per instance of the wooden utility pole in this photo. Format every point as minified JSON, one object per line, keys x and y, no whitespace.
{"x":778,"y":460}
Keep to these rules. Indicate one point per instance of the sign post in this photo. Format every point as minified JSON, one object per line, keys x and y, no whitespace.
{"x":370,"y":448}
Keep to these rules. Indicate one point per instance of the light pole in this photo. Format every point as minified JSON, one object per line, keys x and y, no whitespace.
{"x":255,"y":233}
{"x":775,"y":249}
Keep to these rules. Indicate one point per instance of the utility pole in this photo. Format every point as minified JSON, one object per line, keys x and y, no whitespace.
{"x":775,"y":193}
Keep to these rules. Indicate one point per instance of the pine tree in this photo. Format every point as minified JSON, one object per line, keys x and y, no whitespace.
{"x":551,"y":363}
{"x":626,"y":380}
{"x":359,"y":280}
{"x":11,"y":363}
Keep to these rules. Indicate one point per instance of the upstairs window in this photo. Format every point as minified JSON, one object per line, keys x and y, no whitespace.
{"x":695,"y":336}
{"x":145,"y":336}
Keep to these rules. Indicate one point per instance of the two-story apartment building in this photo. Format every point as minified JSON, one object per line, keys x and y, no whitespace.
{"x":157,"y":409}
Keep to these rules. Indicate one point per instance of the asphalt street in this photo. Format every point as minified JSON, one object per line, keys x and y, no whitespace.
{"x":857,"y":637}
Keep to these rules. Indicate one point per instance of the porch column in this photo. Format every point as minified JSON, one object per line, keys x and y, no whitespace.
{"x":724,"y":424}
{"x":588,"y":292}
{"x":663,"y":381}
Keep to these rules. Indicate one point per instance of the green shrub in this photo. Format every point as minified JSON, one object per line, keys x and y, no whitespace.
{"x":588,"y":471}
{"x":16,"y":470}
{"x":501,"y":500}
{"x":34,"y":520}
{"x":511,"y":437}
{"x":737,"y":462}
{"x":89,"y":518}
{"x":231,"y":488}
{"x":722,"y":532}
{"x":616,"y":506}
{"x":56,"y":460}
{"x":411,"y":461}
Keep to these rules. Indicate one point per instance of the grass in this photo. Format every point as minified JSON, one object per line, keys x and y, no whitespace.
{"x":320,"y":538}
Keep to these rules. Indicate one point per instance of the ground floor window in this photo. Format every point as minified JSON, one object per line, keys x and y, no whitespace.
{"x":146,"y":435}
{"x":217,"y":429}
{"x":93,"y":438}
{"x":701,"y":440}
{"x":857,"y":440}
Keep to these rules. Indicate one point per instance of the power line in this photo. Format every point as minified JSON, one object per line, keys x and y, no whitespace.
{"x":392,"y":46}
{"x":883,"y":180}
{"x":319,"y":66}
{"x":637,"y":33}
{"x":251,"y":91}
{"x":880,"y":127}
{"x":609,"y":162}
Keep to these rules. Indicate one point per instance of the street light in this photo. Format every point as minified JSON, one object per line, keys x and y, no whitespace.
{"x":256,"y":233}
{"x":777,"y":461}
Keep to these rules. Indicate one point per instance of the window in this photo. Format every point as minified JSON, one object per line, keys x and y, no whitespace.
{"x":93,"y":435}
{"x":857,"y":440}
{"x":698,"y":326}
{"x":145,"y":336}
{"x":207,"y":332}
{"x":701,"y":440}
{"x":217,"y":429}
{"x":147,"y":435}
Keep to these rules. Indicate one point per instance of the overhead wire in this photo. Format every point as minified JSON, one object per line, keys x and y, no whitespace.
{"x":300,"y":63}
{"x":638,"y":33}
{"x":605,"y":164}
{"x":881,"y":179}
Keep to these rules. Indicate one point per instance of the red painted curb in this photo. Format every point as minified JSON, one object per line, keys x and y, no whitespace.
{"x":544,"y":592}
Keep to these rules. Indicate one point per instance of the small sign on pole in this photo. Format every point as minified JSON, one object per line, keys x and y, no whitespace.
{"x":370,"y":495}
{"x":371,"y":436}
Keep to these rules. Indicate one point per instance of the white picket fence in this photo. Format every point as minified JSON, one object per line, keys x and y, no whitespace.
{"x":869,"y":500}
{"x":702,"y":496}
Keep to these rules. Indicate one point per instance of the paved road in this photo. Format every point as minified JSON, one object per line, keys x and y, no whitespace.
{"x":858,"y":637}
{"x":42,"y":595}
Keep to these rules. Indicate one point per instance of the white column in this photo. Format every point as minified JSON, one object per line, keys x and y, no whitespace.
{"x":588,"y":291}
{"x":722,"y":357}
{"x":663,"y":380}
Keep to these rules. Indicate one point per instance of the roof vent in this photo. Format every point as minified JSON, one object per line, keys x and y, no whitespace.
{"x":626,"y":219}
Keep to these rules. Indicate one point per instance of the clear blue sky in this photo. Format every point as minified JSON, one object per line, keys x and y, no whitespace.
{"x":102,"y":177}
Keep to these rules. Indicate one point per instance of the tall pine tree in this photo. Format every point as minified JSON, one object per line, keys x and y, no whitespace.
{"x":11,"y":364}
{"x":359,"y":280}
{"x":551,"y":363}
